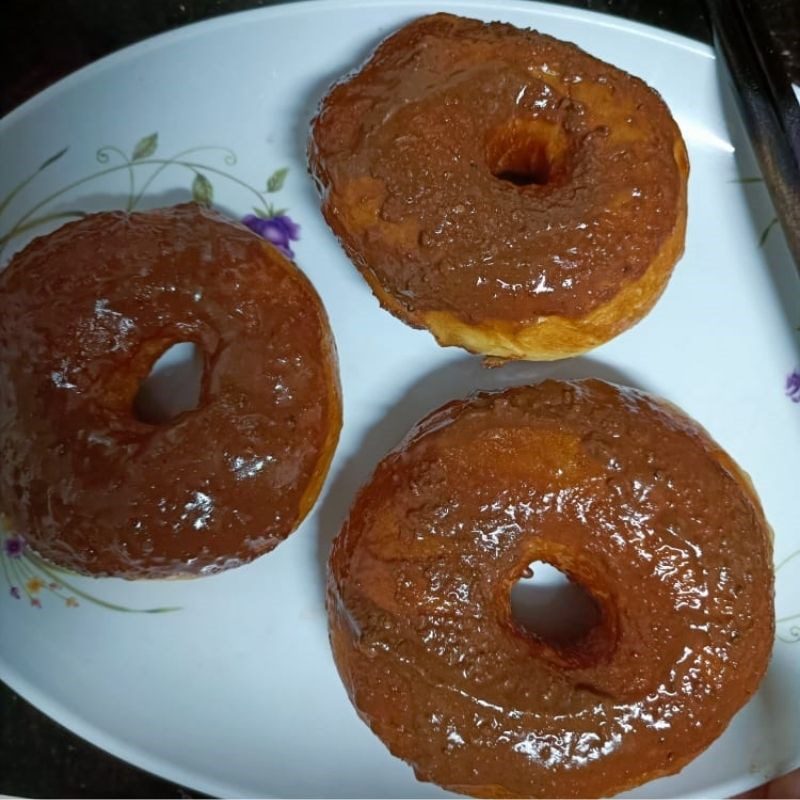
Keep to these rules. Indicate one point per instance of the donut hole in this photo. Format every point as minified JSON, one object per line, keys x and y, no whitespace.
{"x":526,"y":152}
{"x":173,"y":385}
{"x":550,"y":606}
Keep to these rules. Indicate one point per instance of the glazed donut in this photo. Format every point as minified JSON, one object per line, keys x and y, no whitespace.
{"x":629,"y":498}
{"x":84,"y":314}
{"x":503,"y":189}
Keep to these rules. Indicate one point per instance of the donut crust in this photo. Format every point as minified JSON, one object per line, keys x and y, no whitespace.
{"x":84,"y":313}
{"x":627,"y":496}
{"x":505,"y":190}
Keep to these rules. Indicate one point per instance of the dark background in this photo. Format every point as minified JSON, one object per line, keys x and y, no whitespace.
{"x":45,"y":40}
{"x":41,"y":42}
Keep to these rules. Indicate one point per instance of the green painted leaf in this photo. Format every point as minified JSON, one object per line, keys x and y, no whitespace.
{"x":52,"y":159}
{"x":259,"y":212}
{"x":747,"y":180}
{"x":145,"y":147}
{"x":275,"y":181}
{"x":279,"y":212}
{"x":766,"y":231}
{"x":202,"y":190}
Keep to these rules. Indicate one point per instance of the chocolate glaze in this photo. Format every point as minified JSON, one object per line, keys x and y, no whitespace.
{"x":84,"y":314}
{"x":420,"y":154}
{"x":624,"y":494}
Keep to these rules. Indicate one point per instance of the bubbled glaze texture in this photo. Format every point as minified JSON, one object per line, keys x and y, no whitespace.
{"x":406,"y":150}
{"x":624,"y":494}
{"x":84,"y":314}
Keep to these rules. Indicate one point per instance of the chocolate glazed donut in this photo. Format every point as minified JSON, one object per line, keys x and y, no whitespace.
{"x":636,"y":504}
{"x":509,"y":192}
{"x":84,"y":314}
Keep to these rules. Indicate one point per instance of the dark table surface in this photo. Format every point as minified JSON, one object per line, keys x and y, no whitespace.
{"x":43,"y":41}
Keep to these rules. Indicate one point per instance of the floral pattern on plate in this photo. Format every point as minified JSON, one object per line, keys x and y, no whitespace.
{"x":792,"y":384}
{"x":31,"y":578}
{"x":788,"y":626}
{"x":142,"y":168}
{"x":26,"y":574}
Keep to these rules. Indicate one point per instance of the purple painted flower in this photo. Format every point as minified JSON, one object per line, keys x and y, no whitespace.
{"x":279,"y":230}
{"x":793,"y":386}
{"x":15,"y":592}
{"x":14,"y":546}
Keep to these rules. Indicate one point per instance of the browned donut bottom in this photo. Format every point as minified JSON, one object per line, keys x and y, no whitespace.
{"x":84,"y":314}
{"x":504,"y":189}
{"x":632,"y":500}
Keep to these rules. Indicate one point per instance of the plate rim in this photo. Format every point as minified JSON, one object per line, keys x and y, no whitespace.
{"x":302,"y":7}
{"x":163,"y":768}
{"x":57,"y":710}
{"x":110,"y":743}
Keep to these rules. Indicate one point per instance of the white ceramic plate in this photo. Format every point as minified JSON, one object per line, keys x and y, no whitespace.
{"x":236,"y":692}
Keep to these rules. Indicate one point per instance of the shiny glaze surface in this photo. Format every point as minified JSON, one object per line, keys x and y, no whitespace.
{"x":84,"y":314}
{"x":620,"y":491}
{"x":408,"y":151}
